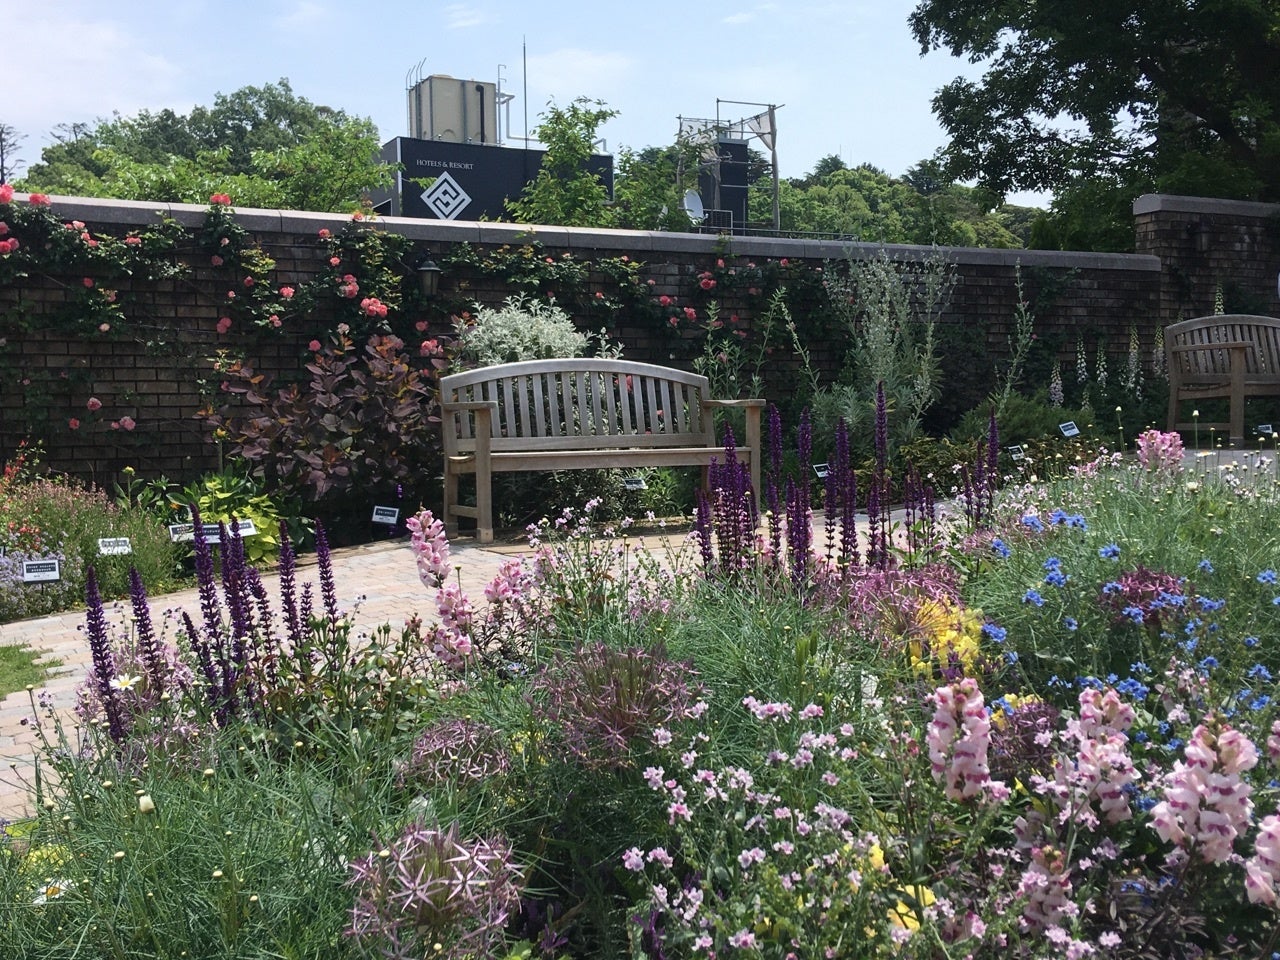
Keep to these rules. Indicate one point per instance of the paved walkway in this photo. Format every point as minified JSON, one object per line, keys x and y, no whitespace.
{"x":379,"y":581}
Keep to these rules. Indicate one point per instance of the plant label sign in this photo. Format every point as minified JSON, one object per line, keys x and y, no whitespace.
{"x":1017,"y":453}
{"x":1069,"y":429}
{"x":822,"y":469}
{"x":182,"y":532}
{"x":634,"y":483}
{"x":245,"y":528}
{"x":388,"y":515}
{"x":114,"y":546}
{"x":41,"y":571}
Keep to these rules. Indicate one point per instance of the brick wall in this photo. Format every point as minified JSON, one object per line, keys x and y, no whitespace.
{"x":158,"y":369}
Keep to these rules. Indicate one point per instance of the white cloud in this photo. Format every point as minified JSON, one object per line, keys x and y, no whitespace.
{"x":305,"y":14}
{"x":96,"y":67}
{"x":571,"y":72}
{"x":463,"y":16}
{"x":745,"y":17}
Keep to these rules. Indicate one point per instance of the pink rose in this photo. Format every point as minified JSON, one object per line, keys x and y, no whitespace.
{"x":6,"y":193}
{"x":314,"y":346}
{"x":88,"y":281}
{"x":104,"y":327}
{"x":324,"y":233}
{"x":127,"y":423}
{"x":220,"y":200}
{"x":224,"y":324}
{"x":275,"y":320}
{"x":73,"y":423}
{"x":334,"y":261}
{"x":115,"y":424}
{"x":4,"y":228}
{"x":216,"y":260}
{"x":421,"y":326}
{"x":286,"y":292}
{"x":133,"y":241}
{"x":93,"y":405}
{"x":38,"y":200}
{"x":248,"y":281}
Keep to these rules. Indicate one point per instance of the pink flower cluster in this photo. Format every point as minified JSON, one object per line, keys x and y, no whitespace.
{"x":1046,"y":885}
{"x":6,"y":246}
{"x":373,"y":307}
{"x":220,"y":200}
{"x":349,"y":288}
{"x":1098,"y":768}
{"x":1206,"y":805}
{"x":6,"y":192}
{"x":430,"y":548}
{"x":1160,"y":452}
{"x":451,"y":640}
{"x":1262,"y":870}
{"x":958,"y":738}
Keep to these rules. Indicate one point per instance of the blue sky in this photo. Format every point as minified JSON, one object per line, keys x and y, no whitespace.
{"x":848,"y":77}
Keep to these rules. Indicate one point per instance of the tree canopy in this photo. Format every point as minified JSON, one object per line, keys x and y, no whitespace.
{"x":1176,"y":95}
{"x":564,"y":191}
{"x":265,"y":146}
{"x":866,"y":203}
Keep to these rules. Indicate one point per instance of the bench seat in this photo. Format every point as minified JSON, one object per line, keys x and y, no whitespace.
{"x":581,"y":413}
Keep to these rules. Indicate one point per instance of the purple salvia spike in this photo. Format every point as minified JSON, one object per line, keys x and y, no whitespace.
{"x":288,"y":585}
{"x":324,"y":561}
{"x":153,"y":662}
{"x":210,"y":608}
{"x":849,"y":521}
{"x":804,"y":443}
{"x":702,"y":530}
{"x":831,"y":509}
{"x":204,"y":657}
{"x":306,"y":607}
{"x":268,"y":645}
{"x":104,"y":665}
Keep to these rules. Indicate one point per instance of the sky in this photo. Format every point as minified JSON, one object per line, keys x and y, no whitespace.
{"x":847,"y":76}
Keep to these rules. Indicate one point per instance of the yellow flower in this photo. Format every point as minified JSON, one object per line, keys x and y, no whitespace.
{"x":906,"y":917}
{"x":943,"y":631}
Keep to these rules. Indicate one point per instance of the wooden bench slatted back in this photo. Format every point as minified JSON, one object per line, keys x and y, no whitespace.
{"x":1231,"y":355}
{"x":576,"y":413}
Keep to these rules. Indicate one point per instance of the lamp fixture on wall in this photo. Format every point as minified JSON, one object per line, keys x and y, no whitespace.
{"x":428,"y":278}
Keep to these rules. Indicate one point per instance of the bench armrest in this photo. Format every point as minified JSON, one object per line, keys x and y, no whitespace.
{"x":757,"y":404}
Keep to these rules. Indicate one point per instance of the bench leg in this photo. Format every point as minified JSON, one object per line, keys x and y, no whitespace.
{"x":484,"y":501}
{"x":450,"y":502}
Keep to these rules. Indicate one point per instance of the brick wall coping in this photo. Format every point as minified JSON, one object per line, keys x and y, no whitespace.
{"x":134,"y":212}
{"x":1168,"y":203}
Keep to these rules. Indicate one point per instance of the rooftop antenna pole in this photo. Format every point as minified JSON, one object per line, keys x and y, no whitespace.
{"x":524,"y":58}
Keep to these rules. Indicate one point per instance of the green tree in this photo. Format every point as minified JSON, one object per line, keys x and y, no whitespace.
{"x":650,"y":186}
{"x":265,"y":146}
{"x":1128,"y":91}
{"x":565,"y":192}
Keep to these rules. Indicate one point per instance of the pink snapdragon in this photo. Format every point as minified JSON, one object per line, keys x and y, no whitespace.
{"x":958,"y":739}
{"x":1099,"y":768}
{"x":1046,"y":885}
{"x":1206,"y":805}
{"x":1160,"y":452}
{"x":430,"y":547}
{"x":1262,"y":870}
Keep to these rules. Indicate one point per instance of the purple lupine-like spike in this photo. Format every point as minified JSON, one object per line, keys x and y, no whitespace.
{"x":104,"y":665}
{"x":831,"y":488}
{"x":153,"y":662}
{"x":210,"y":608}
{"x":268,"y":644}
{"x":328,"y":589}
{"x":306,"y":606}
{"x":288,"y":568}
{"x":234,"y":587}
{"x":205,"y":659}
{"x":873,"y":525}
{"x":804,"y":442}
{"x":848,"y":494}
{"x":702,"y":530}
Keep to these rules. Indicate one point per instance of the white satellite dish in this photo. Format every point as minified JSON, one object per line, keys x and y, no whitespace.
{"x":692,"y":204}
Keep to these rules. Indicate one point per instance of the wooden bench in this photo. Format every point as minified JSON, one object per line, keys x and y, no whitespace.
{"x":1229,"y":355}
{"x":576,"y":414}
